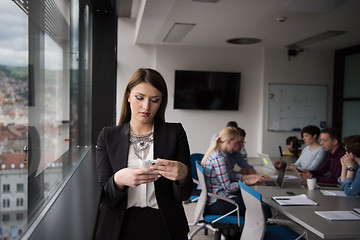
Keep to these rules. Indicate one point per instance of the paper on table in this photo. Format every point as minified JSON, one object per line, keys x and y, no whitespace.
{"x":333,"y":193}
{"x":291,"y":177}
{"x":286,"y":176}
{"x":301,"y":199}
{"x":338,"y":215}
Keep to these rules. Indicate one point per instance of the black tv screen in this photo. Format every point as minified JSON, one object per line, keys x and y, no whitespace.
{"x":207,"y":90}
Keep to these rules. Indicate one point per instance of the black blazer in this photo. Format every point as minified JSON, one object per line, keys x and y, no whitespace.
{"x":170,"y":142}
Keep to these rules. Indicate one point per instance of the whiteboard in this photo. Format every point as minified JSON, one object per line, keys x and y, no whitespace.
{"x":294,"y":106}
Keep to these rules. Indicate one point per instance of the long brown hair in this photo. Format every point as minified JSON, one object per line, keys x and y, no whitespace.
{"x":154,"y":78}
{"x":225,"y":134}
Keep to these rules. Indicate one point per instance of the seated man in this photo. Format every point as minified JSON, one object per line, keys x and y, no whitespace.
{"x":331,"y":143}
{"x":293,"y":145}
{"x":235,"y":157}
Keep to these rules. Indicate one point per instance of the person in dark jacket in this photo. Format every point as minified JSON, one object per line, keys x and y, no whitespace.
{"x":331,"y":143}
{"x":140,"y":201}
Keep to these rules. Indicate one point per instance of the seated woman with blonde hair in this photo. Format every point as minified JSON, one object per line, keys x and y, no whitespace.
{"x":216,"y":174}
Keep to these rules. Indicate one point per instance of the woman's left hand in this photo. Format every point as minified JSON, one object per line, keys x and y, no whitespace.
{"x":173,"y":170}
{"x":348,"y":160}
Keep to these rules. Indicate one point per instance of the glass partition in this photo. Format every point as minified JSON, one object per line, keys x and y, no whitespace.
{"x":45,"y":94}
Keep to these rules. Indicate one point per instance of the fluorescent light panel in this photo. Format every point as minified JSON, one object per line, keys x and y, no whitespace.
{"x":314,"y":39}
{"x":208,"y":1}
{"x":178,"y":31}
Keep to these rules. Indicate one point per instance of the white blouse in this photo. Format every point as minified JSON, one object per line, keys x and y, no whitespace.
{"x":144,"y":194}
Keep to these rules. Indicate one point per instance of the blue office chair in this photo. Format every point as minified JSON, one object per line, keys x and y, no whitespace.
{"x":195,"y":157}
{"x":208,"y":221}
{"x":256,"y":228}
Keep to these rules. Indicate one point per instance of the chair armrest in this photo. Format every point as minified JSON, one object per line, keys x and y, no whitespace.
{"x":196,"y":181}
{"x":222,"y":198}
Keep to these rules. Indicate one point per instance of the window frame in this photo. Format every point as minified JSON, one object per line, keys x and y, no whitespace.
{"x":338,"y":86}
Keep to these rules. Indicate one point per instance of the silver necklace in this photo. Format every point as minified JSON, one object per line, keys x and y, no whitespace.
{"x":141,"y":144}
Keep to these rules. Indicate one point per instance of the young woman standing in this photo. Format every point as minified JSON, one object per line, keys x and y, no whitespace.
{"x":143,"y":202}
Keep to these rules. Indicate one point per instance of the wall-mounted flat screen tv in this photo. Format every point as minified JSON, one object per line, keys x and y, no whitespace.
{"x":207,"y":90}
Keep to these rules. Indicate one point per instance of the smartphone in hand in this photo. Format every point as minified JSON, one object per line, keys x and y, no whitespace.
{"x":149,"y":163}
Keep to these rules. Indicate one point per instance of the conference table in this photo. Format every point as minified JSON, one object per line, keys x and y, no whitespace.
{"x":305,"y":216}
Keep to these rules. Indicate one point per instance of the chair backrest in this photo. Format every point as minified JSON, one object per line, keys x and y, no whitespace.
{"x":254,"y":227}
{"x":195,"y":157}
{"x":200,"y":205}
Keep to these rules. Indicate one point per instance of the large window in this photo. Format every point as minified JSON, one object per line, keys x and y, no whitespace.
{"x":45,"y":103}
{"x":346,"y":94}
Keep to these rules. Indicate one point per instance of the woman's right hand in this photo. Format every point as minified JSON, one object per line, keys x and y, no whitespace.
{"x":342,"y":161}
{"x":255,"y":178}
{"x":133,"y":177}
{"x":347,"y":160}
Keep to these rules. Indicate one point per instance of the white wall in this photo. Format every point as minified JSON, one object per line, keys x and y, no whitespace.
{"x":258,"y":67}
{"x":310,"y":67}
{"x":130,"y":57}
{"x":200,"y":125}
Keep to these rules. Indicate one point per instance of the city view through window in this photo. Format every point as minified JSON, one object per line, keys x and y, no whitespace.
{"x":41,"y":139}
{"x":13,"y":119}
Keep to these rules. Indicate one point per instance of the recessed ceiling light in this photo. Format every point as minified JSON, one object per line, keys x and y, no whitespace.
{"x":178,"y":31}
{"x":243,"y":40}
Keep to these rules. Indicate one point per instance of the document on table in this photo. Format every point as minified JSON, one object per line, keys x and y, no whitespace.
{"x":286,"y":176}
{"x":333,"y":193}
{"x":299,"y":200}
{"x":339,"y":215}
{"x":336,"y":193}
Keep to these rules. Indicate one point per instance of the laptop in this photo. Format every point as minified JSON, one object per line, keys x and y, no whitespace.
{"x":278,"y":183}
{"x":265,"y":165}
{"x":266,"y":161}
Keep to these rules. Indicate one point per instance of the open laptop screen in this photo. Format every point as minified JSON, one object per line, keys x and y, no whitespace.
{"x":266,"y":161}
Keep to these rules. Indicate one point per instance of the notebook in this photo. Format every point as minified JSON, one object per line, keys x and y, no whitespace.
{"x":278,"y":183}
{"x":339,"y":215}
{"x":333,"y":193}
{"x":297,"y":200}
